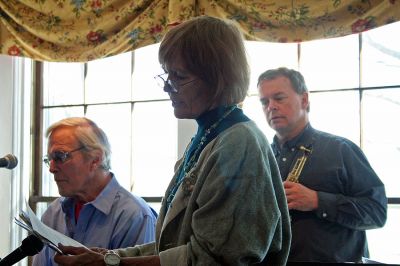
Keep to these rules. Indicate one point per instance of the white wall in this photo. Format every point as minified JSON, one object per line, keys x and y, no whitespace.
{"x":15,"y":138}
{"x":6,"y":96}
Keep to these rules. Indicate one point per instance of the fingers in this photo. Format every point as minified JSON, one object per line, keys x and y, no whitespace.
{"x":99,"y":250}
{"x":288,"y":184}
{"x":62,"y":260}
{"x":72,"y":250}
{"x":79,"y":256}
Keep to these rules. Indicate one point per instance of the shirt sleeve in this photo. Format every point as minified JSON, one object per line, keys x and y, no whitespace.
{"x":44,"y":257}
{"x":363,"y":204}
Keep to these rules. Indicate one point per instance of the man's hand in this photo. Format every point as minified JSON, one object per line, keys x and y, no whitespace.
{"x":300,"y":197}
{"x":79,"y":256}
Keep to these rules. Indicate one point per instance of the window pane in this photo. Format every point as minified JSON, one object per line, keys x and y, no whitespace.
{"x":108,"y":79}
{"x":115,"y":120}
{"x":381,"y":56}
{"x":383,"y":245}
{"x":381,"y":128}
{"x":50,"y":116}
{"x":336,"y":113}
{"x":62,"y":83}
{"x":264,"y":56}
{"x":154,"y":147}
{"x":331,"y":63}
{"x":146,"y":67}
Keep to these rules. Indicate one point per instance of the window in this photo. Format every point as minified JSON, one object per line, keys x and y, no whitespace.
{"x":355,"y":92}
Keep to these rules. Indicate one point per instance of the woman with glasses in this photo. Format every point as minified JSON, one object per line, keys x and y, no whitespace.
{"x":94,"y":209}
{"x":225,"y":204}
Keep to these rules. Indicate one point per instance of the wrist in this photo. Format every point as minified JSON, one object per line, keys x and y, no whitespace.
{"x":111,"y":258}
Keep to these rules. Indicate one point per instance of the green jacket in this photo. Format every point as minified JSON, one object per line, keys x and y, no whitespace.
{"x":230,"y":210}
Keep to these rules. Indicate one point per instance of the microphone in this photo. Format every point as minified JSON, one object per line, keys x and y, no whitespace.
{"x":9,"y":161}
{"x":30,"y":246}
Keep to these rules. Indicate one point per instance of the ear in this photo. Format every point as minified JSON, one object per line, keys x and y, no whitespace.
{"x":304,"y":101}
{"x":95,"y":161}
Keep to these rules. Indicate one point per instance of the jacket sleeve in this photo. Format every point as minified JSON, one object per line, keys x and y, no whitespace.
{"x":138,"y":250}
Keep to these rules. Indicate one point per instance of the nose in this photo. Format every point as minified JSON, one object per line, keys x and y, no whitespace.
{"x":169,"y":87}
{"x":52,"y":166}
{"x":271,"y":106}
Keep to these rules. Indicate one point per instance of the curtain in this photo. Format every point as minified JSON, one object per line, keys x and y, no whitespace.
{"x":84,"y":30}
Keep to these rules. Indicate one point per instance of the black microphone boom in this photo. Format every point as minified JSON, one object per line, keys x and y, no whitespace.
{"x":30,"y":246}
{"x":9,"y":161}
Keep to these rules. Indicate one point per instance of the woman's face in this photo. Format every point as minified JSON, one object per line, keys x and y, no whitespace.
{"x":192,"y":96}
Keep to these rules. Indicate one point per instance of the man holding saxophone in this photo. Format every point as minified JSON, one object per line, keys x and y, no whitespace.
{"x":332,"y":192}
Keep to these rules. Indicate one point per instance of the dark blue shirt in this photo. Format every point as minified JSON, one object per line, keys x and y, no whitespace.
{"x":351,"y":198}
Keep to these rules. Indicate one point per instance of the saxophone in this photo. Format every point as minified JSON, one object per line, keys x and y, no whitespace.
{"x":294,"y":174}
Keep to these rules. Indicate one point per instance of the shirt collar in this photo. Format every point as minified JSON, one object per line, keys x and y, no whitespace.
{"x":103,"y":202}
{"x":304,"y":138}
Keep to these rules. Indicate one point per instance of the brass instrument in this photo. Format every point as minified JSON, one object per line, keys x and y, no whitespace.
{"x":294,"y":174}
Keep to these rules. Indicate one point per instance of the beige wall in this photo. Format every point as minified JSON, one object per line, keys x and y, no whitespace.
{"x":5,"y":148}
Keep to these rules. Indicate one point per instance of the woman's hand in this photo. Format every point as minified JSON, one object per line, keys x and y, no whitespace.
{"x":95,"y":257}
{"x":79,"y":256}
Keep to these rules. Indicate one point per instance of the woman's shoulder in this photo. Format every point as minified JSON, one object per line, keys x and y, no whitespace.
{"x":245,"y":130}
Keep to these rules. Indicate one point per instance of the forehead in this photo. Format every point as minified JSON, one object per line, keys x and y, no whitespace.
{"x":175,"y":65}
{"x":62,"y":137}
{"x":279,"y":84}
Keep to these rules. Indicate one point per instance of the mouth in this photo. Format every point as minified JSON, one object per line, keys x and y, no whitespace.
{"x":275,"y":118}
{"x":175,"y":102}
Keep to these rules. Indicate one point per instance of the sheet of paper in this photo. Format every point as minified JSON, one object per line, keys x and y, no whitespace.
{"x":49,"y":233}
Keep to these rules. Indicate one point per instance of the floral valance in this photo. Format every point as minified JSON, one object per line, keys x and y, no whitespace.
{"x":84,"y":30}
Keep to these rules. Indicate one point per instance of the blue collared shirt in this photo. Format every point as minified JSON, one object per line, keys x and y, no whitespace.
{"x":115,"y":219}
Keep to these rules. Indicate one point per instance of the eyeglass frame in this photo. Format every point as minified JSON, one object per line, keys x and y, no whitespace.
{"x":168,"y":84}
{"x":59,"y":156}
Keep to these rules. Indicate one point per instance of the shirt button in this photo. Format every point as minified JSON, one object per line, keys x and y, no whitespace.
{"x":284,"y":159}
{"x":324,"y":214}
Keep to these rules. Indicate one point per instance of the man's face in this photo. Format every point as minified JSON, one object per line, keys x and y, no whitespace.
{"x":284,"y":109}
{"x":73,"y":176}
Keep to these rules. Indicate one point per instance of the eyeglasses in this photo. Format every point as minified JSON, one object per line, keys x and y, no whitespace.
{"x":59,"y":156}
{"x":169,"y":85}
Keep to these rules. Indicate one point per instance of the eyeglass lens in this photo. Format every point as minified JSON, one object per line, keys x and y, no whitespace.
{"x":59,"y":156}
{"x":164,"y":82}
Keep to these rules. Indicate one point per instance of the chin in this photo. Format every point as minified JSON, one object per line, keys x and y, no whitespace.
{"x":64,"y":192}
{"x":278,"y":128}
{"x":182,"y":115}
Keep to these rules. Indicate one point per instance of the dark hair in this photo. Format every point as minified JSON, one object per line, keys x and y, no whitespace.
{"x":213,"y":50}
{"x":295,"y":77}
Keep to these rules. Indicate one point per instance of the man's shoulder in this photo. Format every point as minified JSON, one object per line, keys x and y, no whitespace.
{"x":330,"y":138}
{"x":133,"y":202}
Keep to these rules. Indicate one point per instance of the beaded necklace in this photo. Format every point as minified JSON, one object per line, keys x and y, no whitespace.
{"x":193,"y":159}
